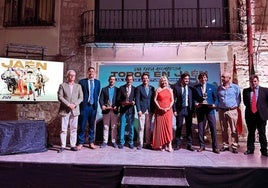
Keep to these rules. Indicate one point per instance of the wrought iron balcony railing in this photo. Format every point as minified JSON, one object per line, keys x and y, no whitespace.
{"x":154,"y":25}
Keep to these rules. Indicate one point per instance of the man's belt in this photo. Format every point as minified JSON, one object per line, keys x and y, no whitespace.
{"x":228,"y":109}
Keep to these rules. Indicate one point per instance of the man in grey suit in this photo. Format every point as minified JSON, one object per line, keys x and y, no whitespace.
{"x":70,"y":96}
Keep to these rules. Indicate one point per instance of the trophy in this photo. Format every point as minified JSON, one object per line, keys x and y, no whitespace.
{"x":127,"y":95}
{"x":205,"y":96}
{"x":109,"y":105}
{"x":127,"y":102}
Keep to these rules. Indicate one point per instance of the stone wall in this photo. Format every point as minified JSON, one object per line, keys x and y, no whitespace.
{"x":260,"y":44}
{"x":72,"y":54}
{"x":260,"y":47}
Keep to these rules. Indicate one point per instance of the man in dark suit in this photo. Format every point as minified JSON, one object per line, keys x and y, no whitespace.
{"x":205,"y":110}
{"x":144,"y":98}
{"x":126,"y":98}
{"x":109,"y":110}
{"x":183,"y":109}
{"x":88,"y":108}
{"x":255,"y":99}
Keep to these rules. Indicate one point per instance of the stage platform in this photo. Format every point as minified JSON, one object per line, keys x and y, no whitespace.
{"x":106,"y":167}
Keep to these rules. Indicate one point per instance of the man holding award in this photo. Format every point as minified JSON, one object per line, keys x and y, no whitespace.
{"x":109,"y":110}
{"x":126,"y":98}
{"x":205,"y":110}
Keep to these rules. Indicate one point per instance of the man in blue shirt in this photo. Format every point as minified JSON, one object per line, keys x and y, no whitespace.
{"x":229,"y":97}
{"x":108,"y":104}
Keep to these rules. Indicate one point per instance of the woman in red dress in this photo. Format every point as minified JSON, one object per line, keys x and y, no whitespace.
{"x":163,"y":133}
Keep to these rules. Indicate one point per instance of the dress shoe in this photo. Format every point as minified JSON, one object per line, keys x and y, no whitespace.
{"x":201,"y":149}
{"x":139,"y":147}
{"x":264,"y":154}
{"x":79,"y":147}
{"x":224,"y":149}
{"x":120,"y":146}
{"x":74,"y":149}
{"x":177,"y":147}
{"x":234,"y":150}
{"x":60,"y":150}
{"x":190,"y":148}
{"x":92,"y":146}
{"x":115,"y":145}
{"x":148,"y":146}
{"x":49,"y":145}
{"x":217,"y":151}
{"x":103,"y":145}
{"x":162,"y":148}
{"x":248,"y":152}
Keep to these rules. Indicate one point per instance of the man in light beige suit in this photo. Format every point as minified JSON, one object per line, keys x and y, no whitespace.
{"x":70,"y":96}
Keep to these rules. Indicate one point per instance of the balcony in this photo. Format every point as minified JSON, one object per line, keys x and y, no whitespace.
{"x":160,"y":25}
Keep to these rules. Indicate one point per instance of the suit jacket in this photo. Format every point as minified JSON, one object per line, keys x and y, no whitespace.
{"x":85,"y":89}
{"x":65,"y":97}
{"x":104,"y":98}
{"x":144,"y":101}
{"x":211,"y":91}
{"x":177,"y":92}
{"x":121,"y":98}
{"x":262,"y":102}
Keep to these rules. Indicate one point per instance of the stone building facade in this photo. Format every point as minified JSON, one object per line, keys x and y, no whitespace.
{"x":69,"y":50}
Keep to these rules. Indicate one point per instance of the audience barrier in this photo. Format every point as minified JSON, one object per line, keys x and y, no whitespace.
{"x":22,"y":137}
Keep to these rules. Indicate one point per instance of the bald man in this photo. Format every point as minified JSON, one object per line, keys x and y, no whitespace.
{"x":229,"y":96}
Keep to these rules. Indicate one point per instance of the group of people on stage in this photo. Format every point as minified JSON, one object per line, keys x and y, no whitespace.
{"x":79,"y":102}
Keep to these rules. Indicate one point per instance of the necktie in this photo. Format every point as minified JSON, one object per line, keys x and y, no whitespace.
{"x":254,"y":102}
{"x":184,"y":97}
{"x":91,"y":97}
{"x":127,"y":93}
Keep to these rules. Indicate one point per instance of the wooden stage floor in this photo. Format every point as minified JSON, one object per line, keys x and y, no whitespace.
{"x":127,"y":156}
{"x":182,"y":158}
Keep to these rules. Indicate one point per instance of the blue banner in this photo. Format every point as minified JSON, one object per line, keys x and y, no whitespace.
{"x":172,"y":71}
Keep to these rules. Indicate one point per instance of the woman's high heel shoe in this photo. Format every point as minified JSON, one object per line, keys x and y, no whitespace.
{"x":170,"y":149}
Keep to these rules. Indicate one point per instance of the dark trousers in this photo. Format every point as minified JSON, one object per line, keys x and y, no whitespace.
{"x":184,"y":113}
{"x":202,"y":118}
{"x":254,"y":122}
